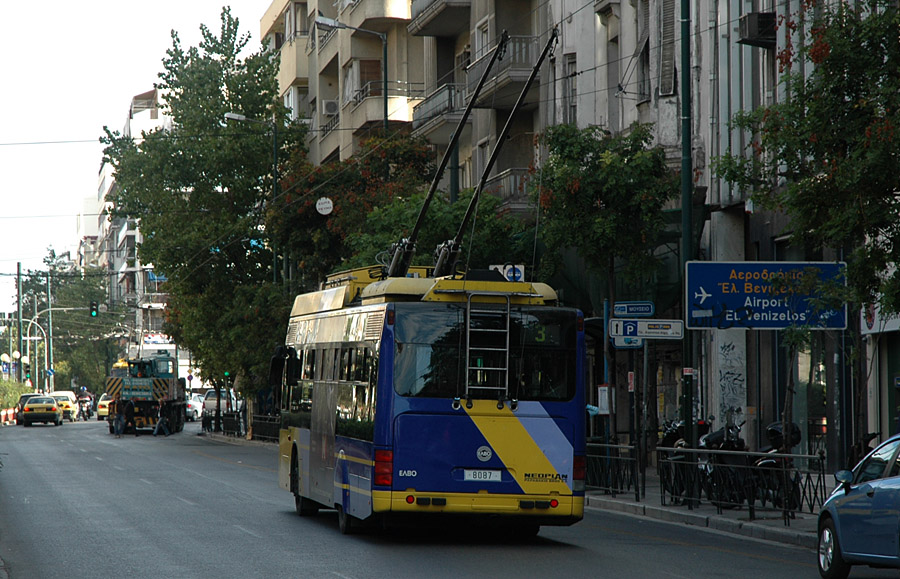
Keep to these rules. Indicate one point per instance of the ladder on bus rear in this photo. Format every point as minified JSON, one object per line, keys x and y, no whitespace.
{"x":487,"y":349}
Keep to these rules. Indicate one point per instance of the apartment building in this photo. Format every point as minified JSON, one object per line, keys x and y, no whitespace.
{"x":132,"y":283}
{"x":342,"y":65}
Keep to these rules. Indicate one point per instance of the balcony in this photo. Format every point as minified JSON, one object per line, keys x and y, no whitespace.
{"x":366,"y":107}
{"x":294,"y":62}
{"x":508,"y":76}
{"x":439,"y":17}
{"x":511,"y":186}
{"x":327,"y":49}
{"x":373,"y":14}
{"x":329,"y":138}
{"x":436,"y":117}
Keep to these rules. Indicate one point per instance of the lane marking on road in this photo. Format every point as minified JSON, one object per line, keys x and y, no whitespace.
{"x":100,"y":458}
{"x":143,"y":480}
{"x":119,"y":467}
{"x":186,"y":501}
{"x":249,"y":532}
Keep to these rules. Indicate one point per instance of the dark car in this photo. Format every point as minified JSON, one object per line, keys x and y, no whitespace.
{"x":858,"y":524}
{"x":20,"y":419}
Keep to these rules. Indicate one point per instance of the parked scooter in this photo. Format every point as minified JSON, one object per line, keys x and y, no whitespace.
{"x":776,"y":477}
{"x":725,"y":477}
{"x":675,"y":474}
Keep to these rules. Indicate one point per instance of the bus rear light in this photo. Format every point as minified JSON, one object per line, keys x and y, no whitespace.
{"x":410,"y":499}
{"x":384,"y":468}
{"x":554,"y":503}
{"x":390,"y":317}
{"x":579,"y":324}
{"x":579,"y":468}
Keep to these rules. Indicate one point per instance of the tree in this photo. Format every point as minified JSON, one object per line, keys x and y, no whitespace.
{"x":826,"y":155}
{"x":385,"y":169}
{"x":199,"y":189}
{"x":604,"y":195}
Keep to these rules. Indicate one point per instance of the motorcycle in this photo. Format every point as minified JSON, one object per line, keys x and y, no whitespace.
{"x":676,"y":475}
{"x":84,"y":410}
{"x":777,"y":481}
{"x":725,"y":477}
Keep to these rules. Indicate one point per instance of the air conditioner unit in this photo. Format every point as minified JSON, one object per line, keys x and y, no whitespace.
{"x":330,"y":108}
{"x":758,"y":29}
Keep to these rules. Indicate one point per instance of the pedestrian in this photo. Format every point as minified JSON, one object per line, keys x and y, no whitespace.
{"x":163,"y":423}
{"x":129,"y":416}
{"x":118,"y":409}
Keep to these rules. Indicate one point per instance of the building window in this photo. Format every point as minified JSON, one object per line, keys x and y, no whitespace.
{"x":570,"y":93}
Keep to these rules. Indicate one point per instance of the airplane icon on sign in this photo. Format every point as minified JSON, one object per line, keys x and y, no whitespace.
{"x":702,"y":295}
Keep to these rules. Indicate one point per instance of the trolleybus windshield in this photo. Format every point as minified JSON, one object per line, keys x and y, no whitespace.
{"x":430,"y":354}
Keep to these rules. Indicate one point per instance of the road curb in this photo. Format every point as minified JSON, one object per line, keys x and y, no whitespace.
{"x":785,"y":535}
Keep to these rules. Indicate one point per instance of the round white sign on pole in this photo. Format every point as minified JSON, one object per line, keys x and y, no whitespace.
{"x":324,"y":205}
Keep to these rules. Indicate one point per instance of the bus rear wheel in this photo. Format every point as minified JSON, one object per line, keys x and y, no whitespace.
{"x":346,"y":522}
{"x":305,"y":507}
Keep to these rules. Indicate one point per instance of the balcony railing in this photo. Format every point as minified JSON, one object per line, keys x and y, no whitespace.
{"x":509,"y":185}
{"x":375,"y":88}
{"x":448,"y":98}
{"x":329,"y":126}
{"x":521,"y":53}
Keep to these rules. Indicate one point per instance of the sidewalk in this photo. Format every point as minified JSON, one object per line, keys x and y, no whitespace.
{"x":768,"y":525}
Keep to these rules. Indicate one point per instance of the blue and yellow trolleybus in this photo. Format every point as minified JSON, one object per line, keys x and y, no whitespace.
{"x":414,"y":397}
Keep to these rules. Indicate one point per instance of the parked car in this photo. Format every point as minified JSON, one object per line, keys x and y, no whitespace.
{"x":859,"y":521}
{"x":42,"y":409}
{"x":68,"y":403}
{"x":103,"y":406}
{"x":229,"y":403}
{"x":20,"y":405}
{"x":194,"y":408}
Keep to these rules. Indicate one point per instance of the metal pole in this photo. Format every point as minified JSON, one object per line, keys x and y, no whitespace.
{"x":274,"y":189}
{"x":384,"y":81}
{"x":686,"y":209}
{"x":19,"y":313}
{"x":49,"y":344}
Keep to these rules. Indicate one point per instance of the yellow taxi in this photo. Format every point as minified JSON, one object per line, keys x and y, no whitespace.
{"x":42,"y":409}
{"x":103,"y":406}
{"x":68,"y":405}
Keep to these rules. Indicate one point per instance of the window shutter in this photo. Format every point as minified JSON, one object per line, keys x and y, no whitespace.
{"x":667,"y":43}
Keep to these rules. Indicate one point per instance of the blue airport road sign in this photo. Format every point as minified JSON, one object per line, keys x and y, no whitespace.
{"x":760,"y":295}
{"x":633,"y":309}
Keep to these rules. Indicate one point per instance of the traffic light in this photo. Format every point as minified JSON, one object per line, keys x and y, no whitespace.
{"x":27,"y":368}
{"x":94,"y":311}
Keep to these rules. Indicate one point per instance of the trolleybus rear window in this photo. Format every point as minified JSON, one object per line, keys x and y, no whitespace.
{"x":430,"y":351}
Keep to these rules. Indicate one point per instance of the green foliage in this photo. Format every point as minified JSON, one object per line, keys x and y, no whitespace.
{"x":827,"y":154}
{"x":384,"y":170}
{"x":498,"y":238}
{"x":604,"y":194}
{"x":10,"y":390}
{"x":199,"y":188}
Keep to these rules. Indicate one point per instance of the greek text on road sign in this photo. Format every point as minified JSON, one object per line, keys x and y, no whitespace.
{"x":760,"y":295}
{"x":634,"y":309}
{"x":654,"y":329}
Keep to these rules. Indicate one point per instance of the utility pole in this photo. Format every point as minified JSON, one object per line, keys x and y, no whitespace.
{"x":19,"y":316}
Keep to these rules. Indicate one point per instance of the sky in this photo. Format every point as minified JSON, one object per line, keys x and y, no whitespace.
{"x":69,"y":69}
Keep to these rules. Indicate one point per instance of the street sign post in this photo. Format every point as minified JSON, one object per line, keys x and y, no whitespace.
{"x":748,"y":295}
{"x":633,"y":309}
{"x":646,"y":328}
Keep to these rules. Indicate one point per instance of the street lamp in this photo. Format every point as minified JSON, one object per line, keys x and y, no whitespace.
{"x":243,"y":119}
{"x":330,"y":23}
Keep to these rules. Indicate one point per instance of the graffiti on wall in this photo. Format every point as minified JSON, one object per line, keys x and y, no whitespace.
{"x":732,"y":373}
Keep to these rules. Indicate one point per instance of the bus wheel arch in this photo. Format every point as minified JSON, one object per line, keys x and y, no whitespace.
{"x":304,"y":506}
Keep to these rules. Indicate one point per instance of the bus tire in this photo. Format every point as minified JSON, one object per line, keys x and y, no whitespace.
{"x":346,"y":522}
{"x":305,"y":507}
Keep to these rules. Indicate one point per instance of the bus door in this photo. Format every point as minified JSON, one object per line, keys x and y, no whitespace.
{"x":321,"y":444}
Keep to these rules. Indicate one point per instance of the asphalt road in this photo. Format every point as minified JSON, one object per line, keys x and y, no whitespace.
{"x":77,"y":502}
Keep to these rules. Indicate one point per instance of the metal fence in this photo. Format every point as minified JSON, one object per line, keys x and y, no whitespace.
{"x":264,"y":427}
{"x":769,"y":482}
{"x":613,"y":468}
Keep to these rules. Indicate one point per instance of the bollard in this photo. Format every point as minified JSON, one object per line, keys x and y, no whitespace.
{"x":3,"y":417}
